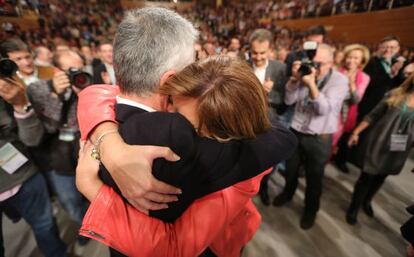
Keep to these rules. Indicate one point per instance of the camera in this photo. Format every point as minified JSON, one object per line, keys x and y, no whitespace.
{"x":397,"y":58}
{"x":8,"y":68}
{"x":305,"y":68}
{"x":79,"y":78}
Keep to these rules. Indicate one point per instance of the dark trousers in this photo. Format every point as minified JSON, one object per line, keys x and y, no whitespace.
{"x":264,"y":183}
{"x":312,"y":153}
{"x":33,"y":204}
{"x":365,"y":189}
{"x":342,"y":155}
{"x":206,"y":253}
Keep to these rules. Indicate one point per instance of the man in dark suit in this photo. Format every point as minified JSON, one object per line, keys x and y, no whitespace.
{"x":385,"y":71}
{"x":272,"y":75}
{"x":103,"y":73}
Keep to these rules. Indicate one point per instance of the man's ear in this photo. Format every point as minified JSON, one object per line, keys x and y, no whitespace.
{"x":166,"y":76}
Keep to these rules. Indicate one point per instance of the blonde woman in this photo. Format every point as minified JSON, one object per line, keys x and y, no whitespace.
{"x":385,"y":146}
{"x":355,"y":58}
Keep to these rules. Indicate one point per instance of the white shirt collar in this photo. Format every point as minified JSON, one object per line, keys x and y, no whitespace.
{"x":29,"y":79}
{"x":263,"y":68}
{"x":121,"y":100}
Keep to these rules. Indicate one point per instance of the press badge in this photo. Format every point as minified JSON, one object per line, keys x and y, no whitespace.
{"x":399,"y":143}
{"x":11,"y":159}
{"x":67,"y":135}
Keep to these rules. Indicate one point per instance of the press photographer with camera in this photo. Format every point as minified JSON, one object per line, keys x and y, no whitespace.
{"x":318,"y":92}
{"x":19,"y":52}
{"x":23,"y":190}
{"x":55,"y":101}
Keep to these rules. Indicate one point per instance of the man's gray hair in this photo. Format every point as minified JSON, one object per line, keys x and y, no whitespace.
{"x":148,"y":43}
{"x":261,"y":35}
{"x":329,"y":49}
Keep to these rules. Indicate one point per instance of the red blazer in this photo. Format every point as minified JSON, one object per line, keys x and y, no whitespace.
{"x":224,"y":221}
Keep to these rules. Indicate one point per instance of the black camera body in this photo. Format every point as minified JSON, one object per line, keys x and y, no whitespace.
{"x":397,"y":58}
{"x":79,"y":78}
{"x":305,"y":68}
{"x":8,"y":68}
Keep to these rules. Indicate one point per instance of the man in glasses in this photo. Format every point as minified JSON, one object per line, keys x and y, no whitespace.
{"x":318,"y":97}
{"x":385,"y":71}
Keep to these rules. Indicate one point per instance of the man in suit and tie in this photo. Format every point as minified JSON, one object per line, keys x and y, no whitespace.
{"x":272,"y":75}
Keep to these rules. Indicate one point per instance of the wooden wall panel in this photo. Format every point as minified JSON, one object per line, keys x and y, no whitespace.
{"x":364,"y":27}
{"x":24,"y":23}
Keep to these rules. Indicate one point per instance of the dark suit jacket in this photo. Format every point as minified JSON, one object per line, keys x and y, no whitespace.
{"x":276,"y":71}
{"x":97,"y":70}
{"x":378,"y":86}
{"x":206,"y":165}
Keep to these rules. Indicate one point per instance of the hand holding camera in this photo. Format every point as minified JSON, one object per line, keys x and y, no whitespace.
{"x":73,"y":77}
{"x":60,"y":82}
{"x":310,"y":79}
{"x":14,"y":93}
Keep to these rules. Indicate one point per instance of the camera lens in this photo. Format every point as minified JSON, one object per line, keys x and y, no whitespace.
{"x":305,"y":69}
{"x":7,"y":68}
{"x":82,"y":80}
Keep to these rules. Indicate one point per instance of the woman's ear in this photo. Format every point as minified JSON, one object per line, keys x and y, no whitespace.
{"x":166,"y":76}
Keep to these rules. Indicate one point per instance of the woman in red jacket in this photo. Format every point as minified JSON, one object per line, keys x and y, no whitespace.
{"x":210,"y":95}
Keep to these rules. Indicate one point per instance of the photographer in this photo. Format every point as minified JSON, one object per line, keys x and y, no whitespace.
{"x":17,"y":51}
{"x":318,"y":95}
{"x":315,"y":34}
{"x":23,"y":191}
{"x":56,"y":101}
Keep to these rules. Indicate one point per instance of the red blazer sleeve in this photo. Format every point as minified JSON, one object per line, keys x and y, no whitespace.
{"x":117,"y":224}
{"x":96,"y":105}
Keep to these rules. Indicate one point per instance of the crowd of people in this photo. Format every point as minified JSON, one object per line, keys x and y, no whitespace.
{"x":326,"y":101}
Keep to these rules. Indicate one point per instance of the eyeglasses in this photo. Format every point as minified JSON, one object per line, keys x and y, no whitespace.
{"x":408,"y":73}
{"x":389,"y":47}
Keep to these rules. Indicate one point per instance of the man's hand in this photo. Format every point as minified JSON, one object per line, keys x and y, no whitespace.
{"x":396,"y":67}
{"x":268,"y":85}
{"x":352,"y":79}
{"x":60,"y":82}
{"x":410,"y":251}
{"x":353,"y":140}
{"x":310,"y":79}
{"x":14,"y":93}
{"x":105,"y":78}
{"x":131,"y":168}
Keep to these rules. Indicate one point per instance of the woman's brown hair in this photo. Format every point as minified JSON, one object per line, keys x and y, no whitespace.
{"x":232,"y":103}
{"x":400,"y":94}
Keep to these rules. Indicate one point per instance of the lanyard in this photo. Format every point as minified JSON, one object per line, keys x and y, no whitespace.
{"x":387,"y":66}
{"x":405,"y":119}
